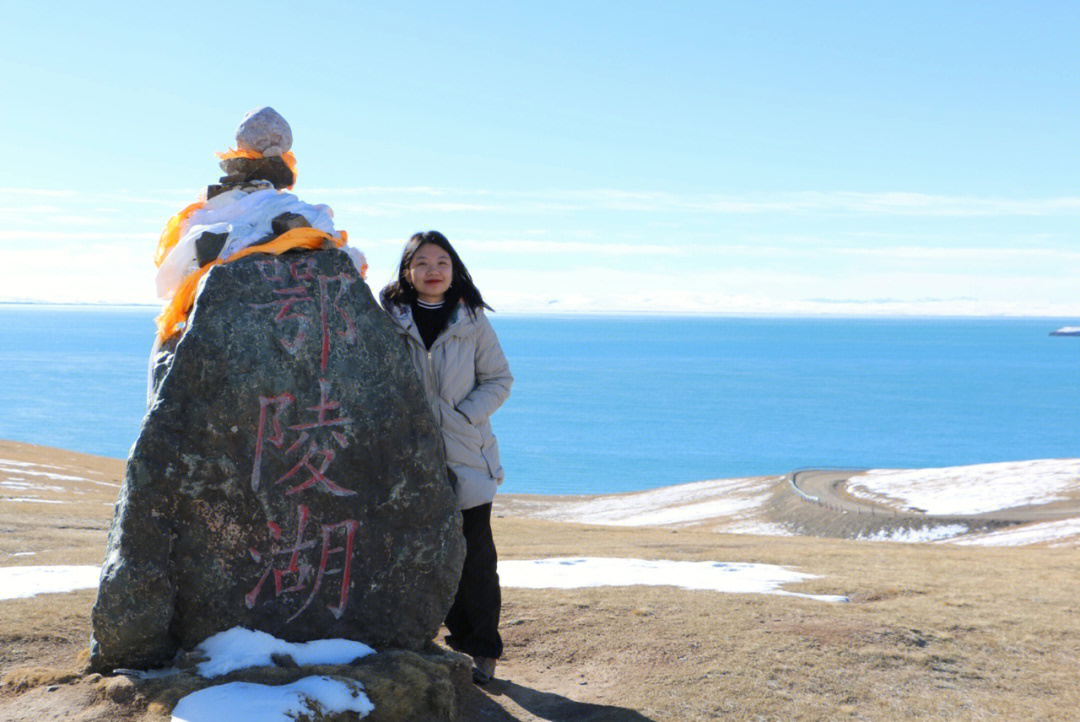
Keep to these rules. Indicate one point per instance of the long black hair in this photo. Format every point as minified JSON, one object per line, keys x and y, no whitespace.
{"x":462,"y":288}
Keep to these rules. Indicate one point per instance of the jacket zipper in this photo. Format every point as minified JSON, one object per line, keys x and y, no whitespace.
{"x":430,"y":377}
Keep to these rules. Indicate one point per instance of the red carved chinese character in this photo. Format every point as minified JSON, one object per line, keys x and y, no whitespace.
{"x":303,"y":270}
{"x":316,"y":458}
{"x":291,"y":297}
{"x":270,"y":269}
{"x":279,"y":404}
{"x":302,"y":570}
{"x":321,"y":408}
{"x":318,"y":476}
{"x":350,"y":526}
{"x":349,"y":334}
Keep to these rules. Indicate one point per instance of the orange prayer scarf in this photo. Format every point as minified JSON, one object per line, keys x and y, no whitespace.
{"x":168,"y":323}
{"x":171,"y":235}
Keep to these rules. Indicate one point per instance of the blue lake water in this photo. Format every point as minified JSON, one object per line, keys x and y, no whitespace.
{"x":616,"y":404}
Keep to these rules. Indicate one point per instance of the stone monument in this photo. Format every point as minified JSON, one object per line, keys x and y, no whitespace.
{"x":288,"y":476}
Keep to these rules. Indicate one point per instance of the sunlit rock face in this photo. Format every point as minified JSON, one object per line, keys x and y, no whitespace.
{"x":264,"y":130}
{"x":288,"y":476}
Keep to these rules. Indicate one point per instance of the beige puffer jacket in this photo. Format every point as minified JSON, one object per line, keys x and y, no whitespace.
{"x":466,"y":378}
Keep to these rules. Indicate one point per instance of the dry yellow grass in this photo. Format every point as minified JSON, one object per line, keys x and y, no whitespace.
{"x":933,"y":632}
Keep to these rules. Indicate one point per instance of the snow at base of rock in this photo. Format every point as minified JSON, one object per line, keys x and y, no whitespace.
{"x":730,"y":577}
{"x":246,"y":702}
{"x":238,"y":648}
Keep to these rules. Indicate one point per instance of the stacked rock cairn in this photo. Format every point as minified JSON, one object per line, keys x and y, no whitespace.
{"x":264,"y":131}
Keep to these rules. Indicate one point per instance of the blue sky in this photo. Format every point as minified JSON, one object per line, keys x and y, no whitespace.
{"x":714,"y":157}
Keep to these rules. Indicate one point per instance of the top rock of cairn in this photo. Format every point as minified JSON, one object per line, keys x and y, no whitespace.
{"x":265,"y":131}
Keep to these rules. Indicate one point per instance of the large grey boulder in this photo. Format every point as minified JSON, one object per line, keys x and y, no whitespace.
{"x":288,"y":476}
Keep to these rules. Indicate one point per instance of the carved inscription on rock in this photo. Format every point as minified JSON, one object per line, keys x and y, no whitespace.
{"x":298,"y":456}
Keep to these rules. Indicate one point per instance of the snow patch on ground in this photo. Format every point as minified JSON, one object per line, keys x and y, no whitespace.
{"x":22,"y":467}
{"x":1058,"y":533}
{"x":238,"y":648}
{"x":671,"y":505}
{"x":971,"y":489}
{"x":13,"y":462}
{"x":33,"y":499}
{"x":47,"y":475}
{"x":729,"y":577}
{"x":23,"y":485}
{"x":22,"y":582}
{"x":247,"y":702}
{"x":762,"y":528}
{"x":918,"y":535}
{"x":686,"y":513}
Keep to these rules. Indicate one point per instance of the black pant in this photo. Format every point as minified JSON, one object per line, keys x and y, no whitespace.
{"x":473,"y":620}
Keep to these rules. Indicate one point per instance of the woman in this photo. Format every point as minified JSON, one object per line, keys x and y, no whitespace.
{"x":440,"y":315}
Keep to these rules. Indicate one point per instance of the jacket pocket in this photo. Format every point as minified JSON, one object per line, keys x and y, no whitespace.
{"x":489,"y":450}
{"x":462,"y":440}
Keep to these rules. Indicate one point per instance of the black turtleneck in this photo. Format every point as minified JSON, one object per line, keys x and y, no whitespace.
{"x":430,"y":320}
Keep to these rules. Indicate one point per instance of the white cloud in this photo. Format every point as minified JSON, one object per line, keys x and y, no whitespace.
{"x":797,"y":203}
{"x":566,"y":248}
{"x":74,"y":236}
{"x":38,"y":192}
{"x":396,"y":199}
{"x":765,"y":290}
{"x":96,"y":247}
{"x":90,"y":273}
{"x":966,"y":255}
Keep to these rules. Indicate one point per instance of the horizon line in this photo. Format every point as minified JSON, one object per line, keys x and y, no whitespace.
{"x":638,"y":313}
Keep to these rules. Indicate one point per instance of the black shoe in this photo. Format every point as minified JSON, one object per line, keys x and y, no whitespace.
{"x":483,"y":670}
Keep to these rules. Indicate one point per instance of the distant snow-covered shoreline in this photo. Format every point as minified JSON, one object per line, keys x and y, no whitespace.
{"x":737,"y":506}
{"x":39,"y":475}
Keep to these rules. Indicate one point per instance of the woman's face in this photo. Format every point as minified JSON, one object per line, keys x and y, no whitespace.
{"x":430,"y":273}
